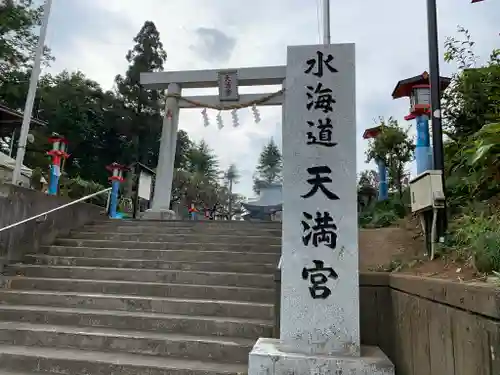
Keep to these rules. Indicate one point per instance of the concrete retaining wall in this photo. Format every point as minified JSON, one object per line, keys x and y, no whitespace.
{"x":17,"y":203}
{"x":430,"y":326}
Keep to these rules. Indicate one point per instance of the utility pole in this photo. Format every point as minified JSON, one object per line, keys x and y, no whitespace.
{"x":28,"y":107}
{"x":437,"y":131}
{"x":326,"y":22}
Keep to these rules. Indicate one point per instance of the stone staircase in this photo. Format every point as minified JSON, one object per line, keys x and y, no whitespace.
{"x":138,"y":297}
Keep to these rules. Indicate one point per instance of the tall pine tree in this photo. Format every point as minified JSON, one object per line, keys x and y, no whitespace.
{"x":145,"y":106}
{"x":270,"y":165}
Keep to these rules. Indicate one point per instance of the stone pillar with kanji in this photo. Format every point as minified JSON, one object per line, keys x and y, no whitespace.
{"x":319,"y":332}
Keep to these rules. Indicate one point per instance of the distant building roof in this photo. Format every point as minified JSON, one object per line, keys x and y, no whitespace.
{"x":11,"y":119}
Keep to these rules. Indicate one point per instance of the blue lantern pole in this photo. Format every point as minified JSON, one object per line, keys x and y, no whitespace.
{"x":419,"y":91}
{"x":58,"y":153}
{"x":423,"y":154}
{"x":383,"y":189}
{"x":55,"y":170}
{"x":116,"y":179}
{"x":113,"y":205}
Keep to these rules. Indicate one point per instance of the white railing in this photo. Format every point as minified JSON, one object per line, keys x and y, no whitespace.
{"x":53,"y":210}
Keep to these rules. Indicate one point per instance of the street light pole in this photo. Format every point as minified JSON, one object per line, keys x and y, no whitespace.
{"x":326,"y":22}
{"x":28,"y":108}
{"x":437,"y":131}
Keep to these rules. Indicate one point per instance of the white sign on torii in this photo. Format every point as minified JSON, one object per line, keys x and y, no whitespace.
{"x":174,"y":82}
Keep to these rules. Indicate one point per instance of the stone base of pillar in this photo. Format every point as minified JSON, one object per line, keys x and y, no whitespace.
{"x":268,"y":358}
{"x":162,"y":214}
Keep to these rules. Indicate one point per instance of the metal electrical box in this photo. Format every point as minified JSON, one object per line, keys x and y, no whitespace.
{"x":426,"y":191}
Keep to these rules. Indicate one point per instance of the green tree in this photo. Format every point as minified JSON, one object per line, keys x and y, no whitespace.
{"x":203,"y":161}
{"x":144,"y":127}
{"x":270,"y":165}
{"x":396,"y":148}
{"x":13,"y":89}
{"x":144,"y":117}
{"x":184,"y":144}
{"x":18,"y":40}
{"x":197,"y":181}
{"x":471,"y":111}
{"x":473,"y":98}
{"x":76,"y":107}
{"x":368,"y":177}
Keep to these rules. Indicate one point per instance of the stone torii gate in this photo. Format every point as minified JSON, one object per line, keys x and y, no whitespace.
{"x":319,"y":330}
{"x":228,"y":82}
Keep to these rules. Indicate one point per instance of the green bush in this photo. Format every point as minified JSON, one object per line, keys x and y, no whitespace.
{"x":365,"y":218}
{"x":394,"y":204}
{"x":475,"y":236}
{"x":76,"y":188}
{"x":381,"y":214}
{"x":486,"y":252}
{"x":384,"y":218}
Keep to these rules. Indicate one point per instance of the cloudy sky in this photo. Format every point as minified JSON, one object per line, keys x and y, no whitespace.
{"x":94,"y":35}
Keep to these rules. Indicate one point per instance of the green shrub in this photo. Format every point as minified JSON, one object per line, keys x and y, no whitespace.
{"x":384,"y":218}
{"x":383,"y":213}
{"x":76,"y":188}
{"x":365,"y":218}
{"x":486,"y":252}
{"x":394,"y":205}
{"x":476,"y":236}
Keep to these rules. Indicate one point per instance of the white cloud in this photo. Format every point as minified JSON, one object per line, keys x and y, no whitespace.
{"x":94,"y":36}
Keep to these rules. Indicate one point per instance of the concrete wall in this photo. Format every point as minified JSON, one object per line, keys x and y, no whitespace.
{"x":17,"y":203}
{"x":6,"y":176}
{"x":430,"y":326}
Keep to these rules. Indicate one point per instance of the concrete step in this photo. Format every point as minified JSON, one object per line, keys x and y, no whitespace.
{"x":198,"y":246}
{"x":220,"y":349}
{"x":146,"y":275}
{"x":10,"y":372}
{"x":125,"y":320}
{"x":240,"y":225}
{"x":195,"y":237}
{"x":236,"y":256}
{"x":265,"y":269}
{"x":81,"y":362}
{"x":180,"y":306}
{"x":210,"y":292}
{"x":200,"y":229}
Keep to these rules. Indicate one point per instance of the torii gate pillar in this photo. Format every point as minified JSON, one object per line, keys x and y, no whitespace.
{"x":160,"y":209}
